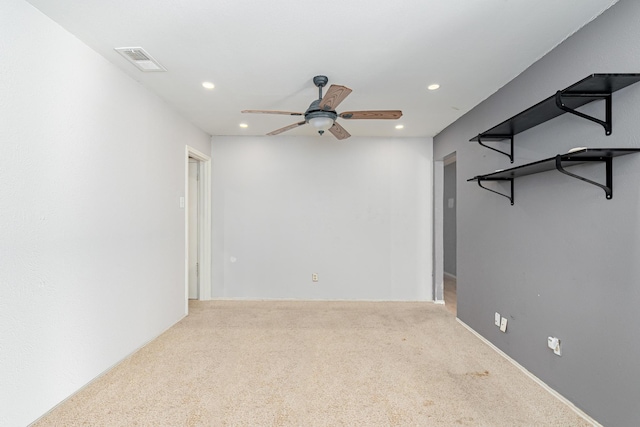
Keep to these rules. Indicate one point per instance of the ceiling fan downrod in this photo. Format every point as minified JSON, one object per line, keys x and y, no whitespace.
{"x":320,"y":82}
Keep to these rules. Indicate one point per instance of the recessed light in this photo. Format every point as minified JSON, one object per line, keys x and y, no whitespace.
{"x":399,"y":126}
{"x":208,"y":85}
{"x":434,"y":86}
{"x":244,"y":125}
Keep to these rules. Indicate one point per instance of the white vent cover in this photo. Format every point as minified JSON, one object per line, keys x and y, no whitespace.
{"x":141,"y":59}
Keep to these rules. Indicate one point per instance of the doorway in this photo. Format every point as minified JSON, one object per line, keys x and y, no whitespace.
{"x":193,"y":207}
{"x":445,"y":236}
{"x":449,"y":232}
{"x":197,"y":226}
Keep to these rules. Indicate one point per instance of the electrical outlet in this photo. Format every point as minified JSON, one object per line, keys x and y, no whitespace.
{"x":503,"y":324}
{"x":314,"y":277}
{"x":554,"y":344}
{"x":497,"y":318}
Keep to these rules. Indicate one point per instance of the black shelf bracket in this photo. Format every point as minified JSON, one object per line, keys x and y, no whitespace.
{"x":595,"y":87}
{"x":608,"y":161}
{"x":606,"y":96}
{"x":560,"y":162}
{"x":510,"y":197}
{"x":498,"y":138}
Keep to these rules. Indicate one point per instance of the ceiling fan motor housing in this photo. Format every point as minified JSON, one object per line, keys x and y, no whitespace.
{"x":315,"y":112}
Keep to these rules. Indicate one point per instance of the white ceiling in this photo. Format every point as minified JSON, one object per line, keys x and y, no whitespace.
{"x":264,"y":54}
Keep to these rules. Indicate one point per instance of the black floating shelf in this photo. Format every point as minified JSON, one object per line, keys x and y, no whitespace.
{"x":559,"y":162}
{"x":589,"y":89}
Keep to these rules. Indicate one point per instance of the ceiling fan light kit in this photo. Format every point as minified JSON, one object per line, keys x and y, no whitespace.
{"x":321,"y":123}
{"x":322,"y":115}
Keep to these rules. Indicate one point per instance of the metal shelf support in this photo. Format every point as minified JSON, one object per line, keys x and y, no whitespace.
{"x":608,"y":161}
{"x":606,"y":96}
{"x":510,"y":197}
{"x":500,"y":138}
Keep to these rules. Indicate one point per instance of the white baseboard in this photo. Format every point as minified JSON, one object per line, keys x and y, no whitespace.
{"x":103,"y":373}
{"x":251,"y":299}
{"x":533,"y":377}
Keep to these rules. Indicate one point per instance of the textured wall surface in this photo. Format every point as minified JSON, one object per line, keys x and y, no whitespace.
{"x":564,"y":260}
{"x":91,"y":232}
{"x":356,"y":212}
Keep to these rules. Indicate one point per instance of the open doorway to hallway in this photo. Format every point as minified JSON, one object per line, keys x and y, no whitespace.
{"x":194,"y":206}
{"x":197,"y":226}
{"x":449,"y":233}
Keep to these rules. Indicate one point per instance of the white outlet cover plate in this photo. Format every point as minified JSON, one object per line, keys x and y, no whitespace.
{"x":503,"y":324}
{"x":497,"y":319}
{"x":554,"y":344}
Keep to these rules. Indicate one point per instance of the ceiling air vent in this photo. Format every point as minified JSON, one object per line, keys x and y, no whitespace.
{"x":141,"y":59}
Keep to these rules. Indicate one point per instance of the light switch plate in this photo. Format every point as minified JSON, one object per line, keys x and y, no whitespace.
{"x":497,"y":319}
{"x":503,"y":324}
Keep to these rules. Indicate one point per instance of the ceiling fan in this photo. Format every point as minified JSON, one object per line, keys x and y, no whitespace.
{"x":322,"y":115}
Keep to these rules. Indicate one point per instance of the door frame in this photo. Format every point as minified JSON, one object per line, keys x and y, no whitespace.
{"x":204,"y":232}
{"x":438,"y":231}
{"x":438,"y":225}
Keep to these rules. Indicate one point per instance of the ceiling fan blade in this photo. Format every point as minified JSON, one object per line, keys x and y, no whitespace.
{"x":372,"y":114}
{"x":339,"y":132}
{"x":334,"y":96}
{"x":288,"y":113}
{"x":286,"y":128}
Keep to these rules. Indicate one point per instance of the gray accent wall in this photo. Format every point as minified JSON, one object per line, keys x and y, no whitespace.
{"x":449,"y":219}
{"x":563,"y":261}
{"x":356,"y":212}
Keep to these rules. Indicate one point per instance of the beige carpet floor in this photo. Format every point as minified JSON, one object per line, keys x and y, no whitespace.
{"x":314,"y":364}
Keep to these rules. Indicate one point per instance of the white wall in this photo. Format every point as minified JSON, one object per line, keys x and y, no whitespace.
{"x":357,"y":212}
{"x":91,"y":233}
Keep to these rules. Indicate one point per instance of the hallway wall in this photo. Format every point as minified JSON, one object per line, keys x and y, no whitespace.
{"x":449,"y":219}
